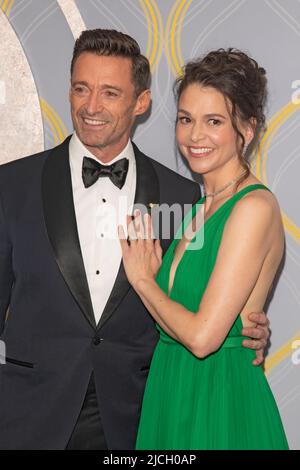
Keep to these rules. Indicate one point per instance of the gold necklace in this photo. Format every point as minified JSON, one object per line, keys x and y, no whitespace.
{"x":226,"y":186}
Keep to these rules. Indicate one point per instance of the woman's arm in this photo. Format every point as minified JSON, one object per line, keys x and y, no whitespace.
{"x":245,"y":243}
{"x":247,"y":239}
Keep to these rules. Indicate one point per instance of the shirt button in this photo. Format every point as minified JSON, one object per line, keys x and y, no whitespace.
{"x":97,"y":340}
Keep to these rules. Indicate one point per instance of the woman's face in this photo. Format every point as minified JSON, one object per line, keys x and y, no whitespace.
{"x":204,"y":131}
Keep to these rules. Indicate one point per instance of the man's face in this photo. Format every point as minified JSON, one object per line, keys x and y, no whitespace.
{"x":103,"y":103}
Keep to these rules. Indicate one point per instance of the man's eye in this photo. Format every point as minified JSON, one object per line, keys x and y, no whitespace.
{"x":79,"y":89}
{"x":112,"y":94}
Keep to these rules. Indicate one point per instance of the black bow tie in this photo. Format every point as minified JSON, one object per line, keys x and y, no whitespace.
{"x":92,"y":170}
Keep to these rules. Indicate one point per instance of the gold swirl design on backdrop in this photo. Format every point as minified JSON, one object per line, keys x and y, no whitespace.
{"x":282,"y":353}
{"x":6,"y":6}
{"x":173,"y":35}
{"x":58,"y":129}
{"x":155,"y":32}
{"x":261,"y":163}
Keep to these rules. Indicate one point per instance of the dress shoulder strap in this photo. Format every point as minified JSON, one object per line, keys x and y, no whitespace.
{"x":251,"y":187}
{"x":237,"y":196}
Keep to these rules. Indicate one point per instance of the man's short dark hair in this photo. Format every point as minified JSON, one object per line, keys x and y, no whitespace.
{"x":108,"y":42}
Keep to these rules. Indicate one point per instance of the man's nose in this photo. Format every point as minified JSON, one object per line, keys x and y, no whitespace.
{"x":93,"y":104}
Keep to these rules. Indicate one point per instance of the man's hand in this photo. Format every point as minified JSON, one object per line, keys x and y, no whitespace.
{"x":260,"y":335}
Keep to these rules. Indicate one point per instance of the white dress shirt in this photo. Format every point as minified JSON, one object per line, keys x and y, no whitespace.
{"x":99,"y":209}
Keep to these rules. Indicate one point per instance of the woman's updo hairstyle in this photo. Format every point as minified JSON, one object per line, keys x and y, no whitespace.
{"x":243,"y":84}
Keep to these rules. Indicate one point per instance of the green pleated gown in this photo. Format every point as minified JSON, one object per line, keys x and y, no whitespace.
{"x":222,"y":401}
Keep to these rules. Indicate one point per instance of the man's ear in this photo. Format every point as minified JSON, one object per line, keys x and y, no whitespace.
{"x":143,"y":102}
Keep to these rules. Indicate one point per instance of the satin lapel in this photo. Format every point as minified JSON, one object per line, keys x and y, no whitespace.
{"x":60,"y":220}
{"x":147,"y":191}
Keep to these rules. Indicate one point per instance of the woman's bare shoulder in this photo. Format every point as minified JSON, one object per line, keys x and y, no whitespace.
{"x":258,"y":214}
{"x":259,"y":203}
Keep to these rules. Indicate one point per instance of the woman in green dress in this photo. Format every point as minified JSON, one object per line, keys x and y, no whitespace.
{"x":202,"y":390}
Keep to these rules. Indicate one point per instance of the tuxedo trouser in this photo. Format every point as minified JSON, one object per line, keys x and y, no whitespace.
{"x":88,"y":433}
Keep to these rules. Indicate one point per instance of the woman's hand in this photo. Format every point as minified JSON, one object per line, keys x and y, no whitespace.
{"x":142,"y":255}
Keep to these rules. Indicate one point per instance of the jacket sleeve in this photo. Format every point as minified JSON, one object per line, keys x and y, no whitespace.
{"x":197,"y":193}
{"x":6,"y":270}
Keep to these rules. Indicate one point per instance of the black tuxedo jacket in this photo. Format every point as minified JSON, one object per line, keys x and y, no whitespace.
{"x":53,"y":344}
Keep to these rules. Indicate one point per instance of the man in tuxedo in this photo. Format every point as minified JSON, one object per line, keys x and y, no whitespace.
{"x":78,"y":339}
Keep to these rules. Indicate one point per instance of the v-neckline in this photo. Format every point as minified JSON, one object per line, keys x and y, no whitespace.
{"x":193,"y":214}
